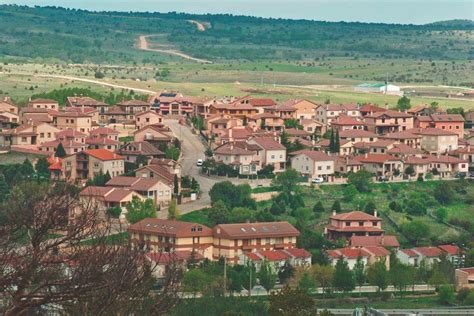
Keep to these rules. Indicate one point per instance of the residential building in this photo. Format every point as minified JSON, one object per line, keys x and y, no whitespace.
{"x":448,"y":166}
{"x":105,"y":132}
{"x":303,"y":109}
{"x":388,"y":122}
{"x":449,"y":122}
{"x":369,"y":109}
{"x":312,"y":126}
{"x":346,"y":147}
{"x":347,"y":123}
{"x":241,"y":156}
{"x":277,"y":258}
{"x":404,"y":137}
{"x":150,"y":188}
{"x":236,"y":110}
{"x":28,"y":135}
{"x":132,"y":150}
{"x":6,"y":105}
{"x":160,"y":235}
{"x":154,"y":134}
{"x":86,"y":110}
{"x":267,"y":121}
{"x":436,"y":141}
{"x":453,"y":253}
{"x":421,"y":166}
{"x":29,"y":115}
{"x":146,"y":118}
{"x":107,"y":197}
{"x":100,"y":106}
{"x":381,"y":164}
{"x":414,"y":256}
{"x":346,"y":164}
{"x":369,"y":255}
{"x":271,"y":152}
{"x":134,"y":106}
{"x":326,"y":113}
{"x":102,"y":143}
{"x":356,"y":223}
{"x":358,"y":135}
{"x":116,"y":114}
{"x":90,"y":163}
{"x":464,"y":278}
{"x":466,"y":153}
{"x":314,"y":164}
{"x":70,"y":147}
{"x":387,"y":241}
{"x":161,"y":172}
{"x":233,"y":240}
{"x":78,"y":121}
{"x":219,"y":124}
{"x":43,"y":104}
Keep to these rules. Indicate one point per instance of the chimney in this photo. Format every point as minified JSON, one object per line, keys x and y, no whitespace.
{"x":366,"y":155}
{"x":375,"y":213}
{"x":333,"y":212}
{"x":382,"y":241}
{"x":231,"y":146}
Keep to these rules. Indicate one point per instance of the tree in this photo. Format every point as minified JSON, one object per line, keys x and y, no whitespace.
{"x":359,"y":272}
{"x":218,"y":213}
{"x":444,"y":193}
{"x":285,"y":272}
{"x":446,"y":294}
{"x":241,"y":215}
{"x":209,"y":153}
{"x":287,"y":180}
{"x":370,"y":207}
{"x":172,"y":153}
{"x":232,"y":195}
{"x":306,"y":283}
{"x":361,"y":180}
{"x":99,"y":75}
{"x":194,"y":281}
{"x":403,"y":104}
{"x":349,"y":193}
{"x":378,"y":275}
{"x":36,"y":270}
{"x":249,"y":277}
{"x":409,"y":171}
{"x":343,"y":279}
{"x":114,"y":212}
{"x":176,"y":185}
{"x":415,"y":231}
{"x":293,"y":123}
{"x":138,"y":210}
{"x":337,"y":142}
{"x":441,"y":214}
{"x":323,"y":274}
{"x":173,"y":212}
{"x":267,"y":276}
{"x":336,"y":206}
{"x":318,"y":207}
{"x":332,"y":142}
{"x":26,"y":169}
{"x":60,"y":151}
{"x":290,"y":301}
{"x":42,"y":167}
{"x":401,"y":276}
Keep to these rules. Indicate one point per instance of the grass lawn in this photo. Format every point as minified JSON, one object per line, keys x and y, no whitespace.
{"x":14,"y":157}
{"x":116,"y":239}
{"x":199,"y":217}
{"x":406,"y":302}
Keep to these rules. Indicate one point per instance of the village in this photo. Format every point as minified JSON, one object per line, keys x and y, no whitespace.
{"x":125,"y":153}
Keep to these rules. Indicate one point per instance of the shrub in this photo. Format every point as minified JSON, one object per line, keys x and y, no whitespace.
{"x":446,"y":294}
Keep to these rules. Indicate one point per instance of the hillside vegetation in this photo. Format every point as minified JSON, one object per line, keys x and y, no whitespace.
{"x":79,"y":36}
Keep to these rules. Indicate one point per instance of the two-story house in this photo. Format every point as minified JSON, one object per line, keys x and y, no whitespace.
{"x":90,"y":163}
{"x":314,"y":164}
{"x":389,"y":121}
{"x":356,"y":223}
{"x":271,"y":152}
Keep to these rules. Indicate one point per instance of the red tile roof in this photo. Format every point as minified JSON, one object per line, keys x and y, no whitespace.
{"x":376,"y":158}
{"x":447,"y":118}
{"x":172,"y":228}
{"x":298,"y":253}
{"x":389,"y":113}
{"x":101,"y":141}
{"x":274,"y":255}
{"x":428,"y":251}
{"x":409,"y":252}
{"x":262,"y":102}
{"x":231,"y":149}
{"x":268,"y":143}
{"x":356,"y":133}
{"x":345,"y":120}
{"x":377,"y":251}
{"x":349,"y":253}
{"x":103,"y":154}
{"x":355,"y":216}
{"x":431,"y":132}
{"x":103,"y":131}
{"x":253,"y":256}
{"x":253,"y":230}
{"x":450,"y":249}
{"x":314,"y":155}
{"x":363,"y":241}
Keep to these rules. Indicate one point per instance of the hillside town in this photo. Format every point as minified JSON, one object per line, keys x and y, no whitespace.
{"x":133,"y":156}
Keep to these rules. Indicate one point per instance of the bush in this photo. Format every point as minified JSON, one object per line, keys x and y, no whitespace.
{"x":444,"y":193}
{"x":441,"y":214}
{"x":462,"y":294}
{"x":446,"y":294}
{"x":114,"y":212}
{"x":469,"y":300}
{"x":99,"y":75}
{"x":394,"y":206}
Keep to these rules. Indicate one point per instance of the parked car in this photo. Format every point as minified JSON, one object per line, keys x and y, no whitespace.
{"x":199,"y":162}
{"x":317,"y":180}
{"x":383,"y":179}
{"x":460,"y":175}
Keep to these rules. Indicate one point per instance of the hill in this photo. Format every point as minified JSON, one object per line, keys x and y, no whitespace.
{"x":80,"y":36}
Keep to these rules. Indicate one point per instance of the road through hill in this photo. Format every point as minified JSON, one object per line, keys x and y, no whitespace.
{"x":143,"y":45}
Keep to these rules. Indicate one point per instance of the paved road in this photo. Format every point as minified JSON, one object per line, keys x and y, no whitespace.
{"x":193,"y":149}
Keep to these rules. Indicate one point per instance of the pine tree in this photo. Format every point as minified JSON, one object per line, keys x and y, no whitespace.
{"x":42,"y":167}
{"x":176,"y":185}
{"x":331,"y":142}
{"x":336,"y":206}
{"x":337,"y":144}
{"x":60,"y":152}
{"x":343,"y":278}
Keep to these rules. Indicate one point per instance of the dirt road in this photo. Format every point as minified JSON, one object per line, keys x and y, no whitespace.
{"x":143,"y":45}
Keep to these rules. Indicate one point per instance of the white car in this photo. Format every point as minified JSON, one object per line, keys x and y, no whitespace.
{"x":317,"y":180}
{"x":199,"y":162}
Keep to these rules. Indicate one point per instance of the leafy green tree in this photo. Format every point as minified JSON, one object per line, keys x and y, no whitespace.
{"x":437,"y":279}
{"x":446,"y":294}
{"x":172,"y":152}
{"x":60,"y":151}
{"x":415,"y":206}
{"x":306,"y":282}
{"x":444,"y":193}
{"x":469,"y":300}
{"x":287,"y":180}
{"x":114,"y":212}
{"x":26,"y":169}
{"x":241,"y":215}
{"x":441,"y":214}
{"x":360,"y":275}
{"x":370,"y":207}
{"x":318,"y":207}
{"x":285,"y":272}
{"x":337,"y":142}
{"x":403,"y":103}
{"x":138,"y":210}
{"x":343,"y":278}
{"x":349,"y":193}
{"x":401,"y":276}
{"x":267,"y":276}
{"x":361,"y":180}
{"x":232,"y":195}
{"x":195,"y":280}
{"x":293,"y":123}
{"x":290,"y":301}
{"x":416,"y":231}
{"x":409,"y":171}
{"x":218,"y":213}
{"x":250,"y":276}
{"x":378,"y":275}
{"x":176,"y":185}
{"x":42,"y":167}
{"x":323,"y":274}
{"x":236,"y":279}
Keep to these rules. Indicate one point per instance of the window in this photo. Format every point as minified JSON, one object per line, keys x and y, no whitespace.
{"x":374,"y":223}
{"x":348,"y":223}
{"x":361,"y":223}
{"x":273,"y":156}
{"x":320,"y":168}
{"x":41,"y":135}
{"x":23,"y":139}
{"x":72,"y":121}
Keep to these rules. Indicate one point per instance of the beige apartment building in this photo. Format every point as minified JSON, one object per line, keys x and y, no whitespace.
{"x":28,"y":135}
{"x":90,"y":163}
{"x":271,"y":152}
{"x":437,"y":141}
{"x":146,"y":118}
{"x":44,"y":104}
{"x":326,"y":113}
{"x":313,"y":164}
{"x":78,"y":121}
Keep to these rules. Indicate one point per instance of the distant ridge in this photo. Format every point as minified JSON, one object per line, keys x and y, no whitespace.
{"x":453,"y":23}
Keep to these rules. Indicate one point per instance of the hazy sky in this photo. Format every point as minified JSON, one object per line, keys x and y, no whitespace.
{"x":388,"y":11}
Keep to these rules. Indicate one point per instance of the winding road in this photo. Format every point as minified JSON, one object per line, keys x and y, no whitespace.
{"x":143,"y":45}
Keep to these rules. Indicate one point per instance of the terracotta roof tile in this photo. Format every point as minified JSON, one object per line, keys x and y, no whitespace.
{"x":103,"y":154}
{"x":252,"y":230}
{"x":170,"y":228}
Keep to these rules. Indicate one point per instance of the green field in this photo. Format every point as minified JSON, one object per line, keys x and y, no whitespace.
{"x":14,"y":158}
